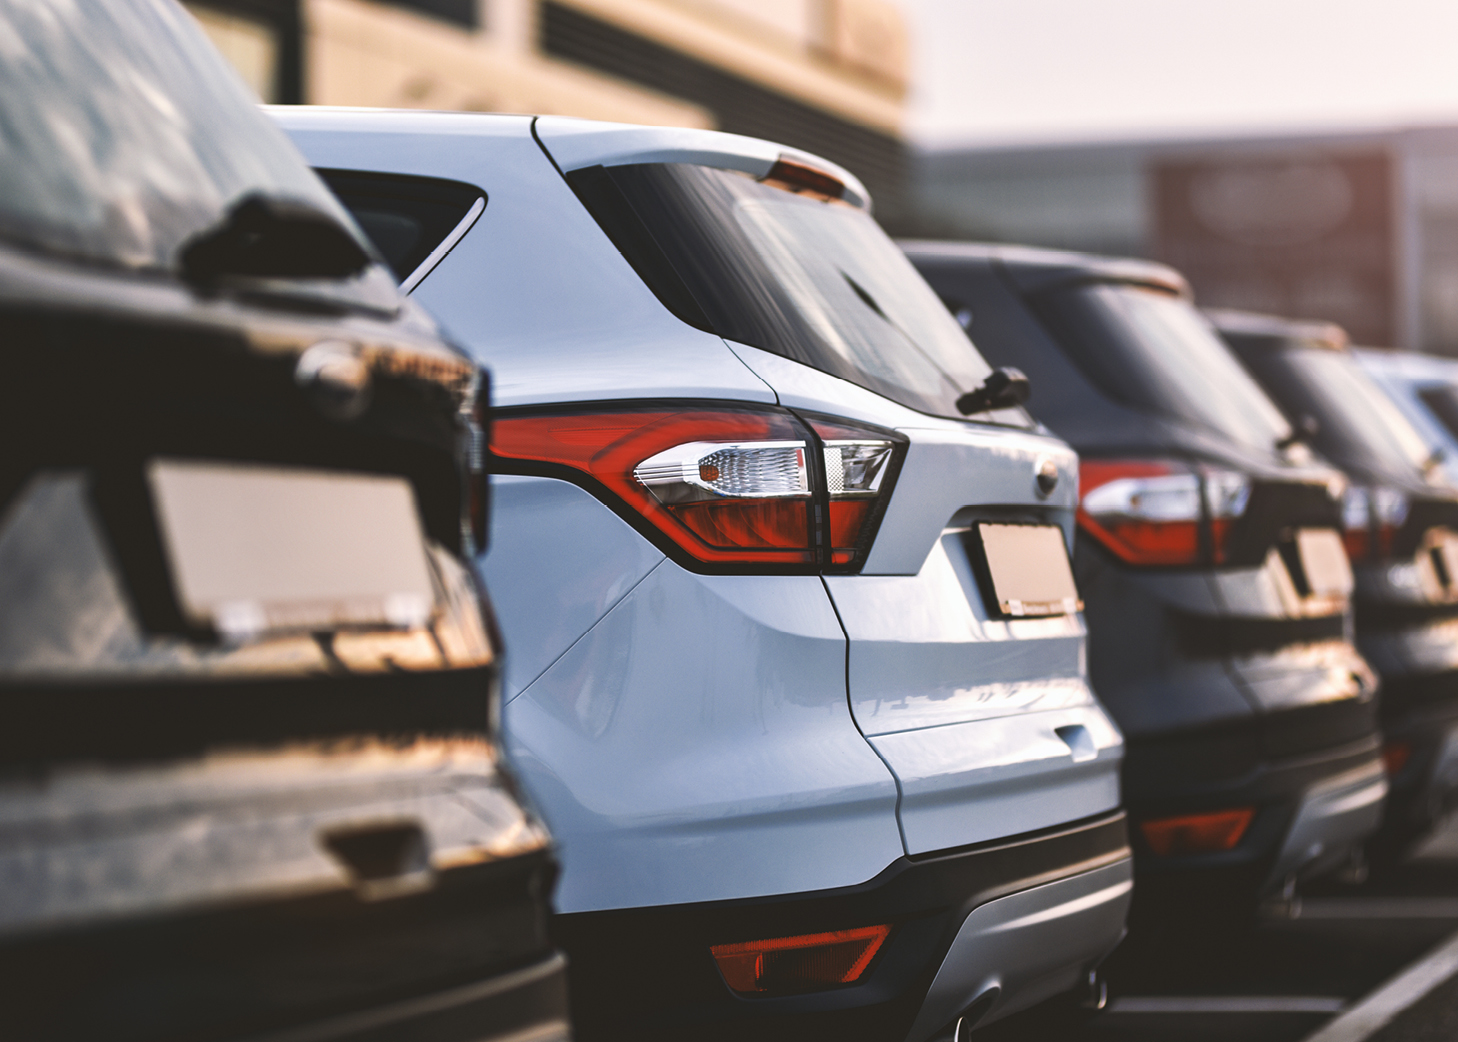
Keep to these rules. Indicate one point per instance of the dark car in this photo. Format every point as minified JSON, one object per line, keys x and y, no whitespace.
{"x":1210,"y":562}
{"x":1401,"y":530}
{"x":250,"y":780}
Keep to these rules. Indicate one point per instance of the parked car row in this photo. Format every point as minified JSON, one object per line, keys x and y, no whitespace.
{"x":859,"y":703}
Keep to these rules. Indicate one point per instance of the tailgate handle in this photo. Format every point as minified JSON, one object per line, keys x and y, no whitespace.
{"x":1080,"y":743}
{"x":384,"y":859}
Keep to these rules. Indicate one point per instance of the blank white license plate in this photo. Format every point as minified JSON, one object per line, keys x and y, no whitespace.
{"x":1030,"y":571}
{"x":256,"y":549}
{"x":1324,"y":560}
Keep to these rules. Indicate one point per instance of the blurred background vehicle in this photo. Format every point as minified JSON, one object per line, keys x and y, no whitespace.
{"x":1400,"y":524}
{"x":251,"y":781}
{"x":1210,"y":559}
{"x":1425,"y":388}
{"x":797,"y":671}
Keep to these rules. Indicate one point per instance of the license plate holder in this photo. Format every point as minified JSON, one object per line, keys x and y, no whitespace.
{"x":1027,"y":570}
{"x":255,"y":550}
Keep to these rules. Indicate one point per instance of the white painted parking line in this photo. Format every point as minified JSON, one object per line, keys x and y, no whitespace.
{"x":1372,"y":1013}
{"x":1226,"y":1004}
{"x":1378,"y":908}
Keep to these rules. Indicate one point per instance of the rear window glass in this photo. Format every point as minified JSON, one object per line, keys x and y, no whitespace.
{"x":1442,"y":402}
{"x":812,"y":279}
{"x":1359,"y":424}
{"x":405,"y":217}
{"x":123,"y":133}
{"x":1152,"y":350}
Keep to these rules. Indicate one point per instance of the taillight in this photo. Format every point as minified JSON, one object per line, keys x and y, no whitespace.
{"x":1389,"y":509}
{"x":476,"y":424}
{"x":858,"y":463}
{"x":1152,"y":512}
{"x":1357,"y":522}
{"x":726,"y":485}
{"x":1395,"y":756}
{"x":808,"y":962}
{"x":1371,"y":518}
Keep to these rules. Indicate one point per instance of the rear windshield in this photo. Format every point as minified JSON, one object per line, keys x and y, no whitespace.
{"x":812,"y":279}
{"x":1152,"y":350}
{"x":123,"y":133}
{"x":1359,"y":424}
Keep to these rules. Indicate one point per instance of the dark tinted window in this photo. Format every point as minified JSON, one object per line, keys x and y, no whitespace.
{"x":1152,"y":350}
{"x":1360,"y":425}
{"x":814,"y":280}
{"x":1442,"y":402}
{"x":405,"y":217}
{"x":123,"y":133}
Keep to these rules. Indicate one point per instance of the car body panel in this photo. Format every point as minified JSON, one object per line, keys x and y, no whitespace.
{"x":561,"y":563}
{"x":967,"y":783}
{"x":680,"y":767}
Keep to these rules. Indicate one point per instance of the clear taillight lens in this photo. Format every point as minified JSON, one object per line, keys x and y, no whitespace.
{"x":752,"y":494}
{"x":1151,"y":512}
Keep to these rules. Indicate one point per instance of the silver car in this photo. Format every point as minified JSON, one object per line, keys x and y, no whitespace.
{"x":797,"y":668}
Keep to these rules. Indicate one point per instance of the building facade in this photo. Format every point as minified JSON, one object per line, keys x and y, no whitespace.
{"x":824,"y":75}
{"x":1358,"y":227}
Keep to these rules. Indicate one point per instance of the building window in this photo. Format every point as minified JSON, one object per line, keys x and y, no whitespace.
{"x":261,"y":39}
{"x":737,"y":105}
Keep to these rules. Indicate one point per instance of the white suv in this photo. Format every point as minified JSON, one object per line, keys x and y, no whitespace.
{"x":796,"y":670}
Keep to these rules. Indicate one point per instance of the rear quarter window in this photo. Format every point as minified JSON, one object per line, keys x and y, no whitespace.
{"x":405,"y":217}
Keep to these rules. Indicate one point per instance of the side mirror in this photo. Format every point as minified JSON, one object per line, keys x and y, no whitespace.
{"x":1003,"y":389}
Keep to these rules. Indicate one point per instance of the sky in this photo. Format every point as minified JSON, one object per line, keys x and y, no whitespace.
{"x":990,"y":71}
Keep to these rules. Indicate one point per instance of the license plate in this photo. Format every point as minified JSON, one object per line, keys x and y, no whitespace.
{"x":1324,"y":561}
{"x":1029,"y":569}
{"x":254,"y":549}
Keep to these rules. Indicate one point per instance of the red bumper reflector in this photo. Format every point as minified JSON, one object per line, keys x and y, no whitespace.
{"x":802,"y":963}
{"x":1395,"y":756}
{"x":1197,"y":833}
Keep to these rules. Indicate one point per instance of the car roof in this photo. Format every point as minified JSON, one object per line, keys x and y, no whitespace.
{"x":577,"y":143}
{"x":1409,"y":365}
{"x":1033,"y":268}
{"x":1275,"y":328}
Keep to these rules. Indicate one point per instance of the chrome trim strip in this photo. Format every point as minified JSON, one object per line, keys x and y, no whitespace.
{"x":408,"y":284}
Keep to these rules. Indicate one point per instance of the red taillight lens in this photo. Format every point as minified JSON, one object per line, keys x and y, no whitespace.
{"x":1150,"y":512}
{"x":1197,"y":833}
{"x":808,"y":962}
{"x":726,"y":485}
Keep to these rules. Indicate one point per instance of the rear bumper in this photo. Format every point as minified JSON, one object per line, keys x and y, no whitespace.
{"x":527,"y":1005}
{"x":1028,"y":915}
{"x":1421,"y":717}
{"x":1311,"y":811}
